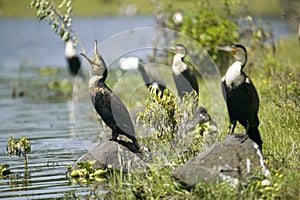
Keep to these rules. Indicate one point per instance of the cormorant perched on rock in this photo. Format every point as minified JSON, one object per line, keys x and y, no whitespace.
{"x":72,"y":59}
{"x":240,"y":95}
{"x":148,"y":72}
{"x":184,"y":77}
{"x":108,"y":105}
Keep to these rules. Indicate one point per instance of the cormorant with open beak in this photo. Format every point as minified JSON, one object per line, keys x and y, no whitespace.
{"x":108,"y":105}
{"x":184,"y":77}
{"x":72,"y":59}
{"x":240,"y":95}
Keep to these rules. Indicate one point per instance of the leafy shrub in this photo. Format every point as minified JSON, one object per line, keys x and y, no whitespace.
{"x":178,"y":135}
{"x":205,"y":25}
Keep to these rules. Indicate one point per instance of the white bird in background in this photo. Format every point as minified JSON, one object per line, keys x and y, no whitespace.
{"x":73,"y":60}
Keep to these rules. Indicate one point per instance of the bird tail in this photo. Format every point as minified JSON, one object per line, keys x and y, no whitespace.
{"x":254,"y":135}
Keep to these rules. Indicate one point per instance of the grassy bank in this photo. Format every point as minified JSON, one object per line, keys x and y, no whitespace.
{"x":115,"y":7}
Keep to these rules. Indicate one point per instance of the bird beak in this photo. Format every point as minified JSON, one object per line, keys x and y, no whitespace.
{"x":96,"y":55}
{"x":172,"y":49}
{"x":225,"y":48}
{"x":87,"y":58}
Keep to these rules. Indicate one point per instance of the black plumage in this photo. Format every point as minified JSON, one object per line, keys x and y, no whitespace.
{"x":72,"y":58}
{"x":108,"y":105}
{"x":151,"y":76}
{"x":240,"y":95}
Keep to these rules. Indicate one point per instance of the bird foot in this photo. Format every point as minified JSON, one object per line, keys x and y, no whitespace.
{"x":114,"y":139}
{"x":244,"y":138}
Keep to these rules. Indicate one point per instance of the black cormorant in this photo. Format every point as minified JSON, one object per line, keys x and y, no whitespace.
{"x":72,"y":59}
{"x":240,"y":95}
{"x":108,"y":105}
{"x":184,"y":77}
{"x":148,"y":72}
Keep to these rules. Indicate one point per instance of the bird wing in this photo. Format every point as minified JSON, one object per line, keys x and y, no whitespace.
{"x":251,"y":90}
{"x":191,"y":78}
{"x":194,"y":81}
{"x":223,"y":86}
{"x":74,"y":64}
{"x":121,"y":115}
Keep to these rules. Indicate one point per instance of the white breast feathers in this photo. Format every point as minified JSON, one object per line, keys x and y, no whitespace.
{"x":233,"y":76}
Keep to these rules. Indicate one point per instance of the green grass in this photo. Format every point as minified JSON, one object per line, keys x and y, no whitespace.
{"x":90,"y":8}
{"x":280,"y":113}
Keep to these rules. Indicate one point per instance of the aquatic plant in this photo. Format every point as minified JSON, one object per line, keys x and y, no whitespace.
{"x":4,"y":170}
{"x":19,"y":147}
{"x":85,"y":172}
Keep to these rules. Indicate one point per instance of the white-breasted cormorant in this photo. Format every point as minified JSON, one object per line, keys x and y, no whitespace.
{"x":73,"y":60}
{"x":240,"y":95}
{"x":184,"y":77}
{"x":108,"y":105}
{"x":186,"y":80}
{"x":148,"y":71}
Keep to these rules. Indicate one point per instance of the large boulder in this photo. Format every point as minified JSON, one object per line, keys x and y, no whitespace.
{"x":228,"y":160}
{"x":121,"y":156}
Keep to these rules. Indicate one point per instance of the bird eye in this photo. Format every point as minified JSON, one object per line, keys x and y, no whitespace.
{"x":233,"y":51}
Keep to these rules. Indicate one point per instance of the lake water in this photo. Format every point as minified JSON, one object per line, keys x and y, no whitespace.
{"x":48,"y":122}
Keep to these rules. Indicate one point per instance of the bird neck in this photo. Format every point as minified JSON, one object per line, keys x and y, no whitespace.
{"x":235,"y":68}
{"x":96,"y":81}
{"x":70,"y":50}
{"x":100,"y":72}
{"x":178,"y":65}
{"x":144,"y":74}
{"x":241,"y":59}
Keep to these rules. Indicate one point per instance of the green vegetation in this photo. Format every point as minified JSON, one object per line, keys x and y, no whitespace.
{"x":206,"y":26}
{"x":51,"y":83}
{"x":4,"y":170}
{"x":86,"y":172}
{"x":19,"y":147}
{"x":172,"y":138}
{"x":56,"y":85}
{"x":90,"y":8}
{"x":60,"y":22}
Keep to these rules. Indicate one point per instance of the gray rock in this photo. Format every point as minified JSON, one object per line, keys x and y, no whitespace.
{"x":228,"y":160}
{"x":121,"y":156}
